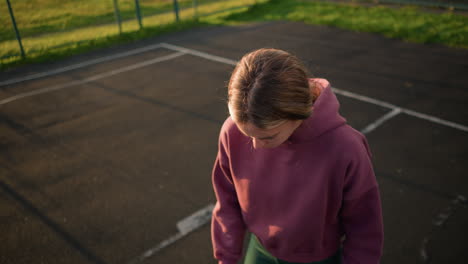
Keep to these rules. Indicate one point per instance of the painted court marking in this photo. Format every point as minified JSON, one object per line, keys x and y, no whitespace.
{"x":381,"y":120}
{"x":201,"y":54}
{"x":439,"y":221}
{"x":90,"y":79}
{"x":336,"y":90}
{"x":79,"y":65}
{"x":404,"y":110}
{"x":185,"y":226}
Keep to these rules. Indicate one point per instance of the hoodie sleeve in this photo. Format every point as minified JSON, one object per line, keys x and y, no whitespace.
{"x":361,"y":212}
{"x":227,"y":226}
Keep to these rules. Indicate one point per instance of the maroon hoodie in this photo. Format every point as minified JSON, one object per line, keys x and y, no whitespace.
{"x":301,"y":197}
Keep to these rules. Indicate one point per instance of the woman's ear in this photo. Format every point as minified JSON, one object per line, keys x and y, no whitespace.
{"x":231,"y":113}
{"x":315,"y":89}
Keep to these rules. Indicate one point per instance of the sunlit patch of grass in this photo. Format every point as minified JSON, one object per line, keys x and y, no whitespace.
{"x":61,"y":44}
{"x":35,"y":17}
{"x":407,"y":23}
{"x":83,"y":46}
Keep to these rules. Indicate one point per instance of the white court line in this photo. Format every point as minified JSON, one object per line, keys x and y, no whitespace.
{"x":438,"y":222}
{"x":199,"y":54}
{"x":225,"y":61}
{"x":381,"y":120}
{"x":403,"y":110}
{"x":364,"y":98}
{"x":435,"y":119}
{"x":336,"y":90}
{"x":79,"y":65}
{"x":185,"y":226}
{"x":90,"y":79}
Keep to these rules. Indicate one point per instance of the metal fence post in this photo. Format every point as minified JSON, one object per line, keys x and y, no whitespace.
{"x":195,"y":8}
{"x":18,"y":37}
{"x":138,"y":13}
{"x":176,"y":10}
{"x":117,"y":16}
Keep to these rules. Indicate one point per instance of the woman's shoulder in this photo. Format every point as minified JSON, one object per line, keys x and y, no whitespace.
{"x":230,"y":135}
{"x":228,"y":126}
{"x":229,"y":130}
{"x":350,"y":141}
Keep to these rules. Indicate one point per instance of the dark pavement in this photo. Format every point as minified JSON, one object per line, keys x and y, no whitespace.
{"x":102,"y":171}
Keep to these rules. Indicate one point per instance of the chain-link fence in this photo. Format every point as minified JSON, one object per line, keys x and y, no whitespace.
{"x":32,"y":26}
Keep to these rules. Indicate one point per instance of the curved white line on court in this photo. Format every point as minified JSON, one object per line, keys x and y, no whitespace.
{"x":90,"y":79}
{"x":78,"y":65}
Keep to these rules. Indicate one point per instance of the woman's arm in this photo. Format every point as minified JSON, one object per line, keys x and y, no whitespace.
{"x":227,"y":226}
{"x":363,"y":225}
{"x":361,"y":213}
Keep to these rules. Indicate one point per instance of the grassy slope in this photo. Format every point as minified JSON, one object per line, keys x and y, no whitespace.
{"x":60,"y":15}
{"x":405,"y":23}
{"x":102,"y":42}
{"x":60,"y":44}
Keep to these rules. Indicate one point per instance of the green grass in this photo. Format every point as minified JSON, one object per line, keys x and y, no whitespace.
{"x":408,"y":23}
{"x":61,"y":15}
{"x":78,"y":39}
{"x":77,"y":47}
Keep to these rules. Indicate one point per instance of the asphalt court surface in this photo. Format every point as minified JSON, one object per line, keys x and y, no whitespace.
{"x":101,"y":171}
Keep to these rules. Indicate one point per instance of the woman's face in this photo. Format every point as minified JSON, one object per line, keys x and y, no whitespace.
{"x":271,"y":137}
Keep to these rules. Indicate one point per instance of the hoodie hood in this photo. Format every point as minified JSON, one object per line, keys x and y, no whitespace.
{"x":325,"y":115}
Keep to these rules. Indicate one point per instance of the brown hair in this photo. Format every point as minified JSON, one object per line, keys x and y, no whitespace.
{"x":269,"y":86}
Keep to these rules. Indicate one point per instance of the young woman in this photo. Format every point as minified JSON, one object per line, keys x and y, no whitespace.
{"x":291,"y":171}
